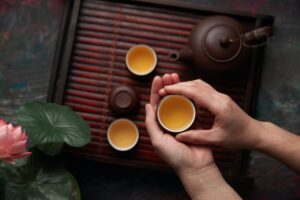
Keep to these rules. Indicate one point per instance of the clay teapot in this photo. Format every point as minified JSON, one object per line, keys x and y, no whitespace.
{"x":219,"y":43}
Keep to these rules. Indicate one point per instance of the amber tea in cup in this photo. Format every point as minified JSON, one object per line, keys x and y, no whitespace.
{"x":141,"y":60}
{"x":122,"y":134}
{"x":176,"y":113}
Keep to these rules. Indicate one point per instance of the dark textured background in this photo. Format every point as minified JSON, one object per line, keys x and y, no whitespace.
{"x":28,"y":34}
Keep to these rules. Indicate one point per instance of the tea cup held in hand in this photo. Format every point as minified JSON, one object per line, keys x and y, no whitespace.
{"x":176,"y":113}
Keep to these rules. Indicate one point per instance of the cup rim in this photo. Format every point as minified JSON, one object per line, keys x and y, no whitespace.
{"x":187,"y":100}
{"x":151,"y":69}
{"x":123,"y":148}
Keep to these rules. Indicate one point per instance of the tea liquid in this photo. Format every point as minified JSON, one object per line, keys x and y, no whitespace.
{"x":176,"y":113}
{"x":122,"y":134}
{"x":141,"y":60}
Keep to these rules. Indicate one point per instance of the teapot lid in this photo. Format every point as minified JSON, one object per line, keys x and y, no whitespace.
{"x":222,"y":43}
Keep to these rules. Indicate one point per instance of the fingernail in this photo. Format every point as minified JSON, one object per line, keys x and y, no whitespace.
{"x":162,"y":92}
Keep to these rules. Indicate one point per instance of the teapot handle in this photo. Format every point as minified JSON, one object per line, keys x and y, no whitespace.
{"x":258,"y":35}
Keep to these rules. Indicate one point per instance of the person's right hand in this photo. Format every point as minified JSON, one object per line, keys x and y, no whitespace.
{"x":194,"y":164}
{"x":232,"y":127}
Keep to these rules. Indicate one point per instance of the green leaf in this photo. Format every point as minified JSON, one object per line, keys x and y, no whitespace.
{"x":52,"y":124}
{"x":38,"y":179}
{"x":51,"y":148}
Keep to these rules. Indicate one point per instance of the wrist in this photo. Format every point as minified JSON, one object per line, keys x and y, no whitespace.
{"x":271,"y":137}
{"x":202,"y":181}
{"x":255,"y":135}
{"x":204,"y":172}
{"x":207,"y":183}
{"x":262,"y":135}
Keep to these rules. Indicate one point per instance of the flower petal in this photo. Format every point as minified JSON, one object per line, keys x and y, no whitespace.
{"x":2,"y":122}
{"x":8,"y":140}
{"x":16,"y":134}
{"x":17,"y":147}
{"x":3,"y":154}
{"x":3,"y":135}
{"x":10,"y":127}
{"x":21,"y":155}
{"x":23,"y":136}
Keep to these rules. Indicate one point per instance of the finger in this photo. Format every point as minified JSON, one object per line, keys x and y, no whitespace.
{"x":200,"y":83}
{"x":175,"y":78}
{"x":198,"y":137}
{"x":167,"y":80}
{"x":162,"y":92}
{"x":157,"y":84}
{"x":201,"y":97}
{"x":152,"y":127}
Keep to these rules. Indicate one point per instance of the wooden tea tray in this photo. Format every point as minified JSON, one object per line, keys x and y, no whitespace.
{"x":90,"y":60}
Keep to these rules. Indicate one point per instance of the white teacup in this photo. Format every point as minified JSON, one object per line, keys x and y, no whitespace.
{"x":141,"y":60}
{"x":122,"y":134}
{"x":176,"y":113}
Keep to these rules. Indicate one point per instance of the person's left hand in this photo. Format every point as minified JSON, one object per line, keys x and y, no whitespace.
{"x":184,"y":159}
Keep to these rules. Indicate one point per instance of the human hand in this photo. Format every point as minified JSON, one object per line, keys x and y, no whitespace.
{"x":194,"y":164}
{"x":182,"y":157}
{"x":232,"y":127}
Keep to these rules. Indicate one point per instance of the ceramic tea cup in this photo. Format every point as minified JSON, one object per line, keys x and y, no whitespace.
{"x":141,"y":60}
{"x":176,"y":113}
{"x":122,"y":134}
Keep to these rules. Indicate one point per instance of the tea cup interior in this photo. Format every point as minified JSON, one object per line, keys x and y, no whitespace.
{"x":141,"y":60}
{"x":122,"y":134}
{"x":176,"y":113}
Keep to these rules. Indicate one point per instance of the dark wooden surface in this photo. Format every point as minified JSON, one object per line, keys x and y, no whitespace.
{"x":28,"y":34}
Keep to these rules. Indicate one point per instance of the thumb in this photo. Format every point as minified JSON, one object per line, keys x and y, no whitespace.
{"x":198,"y":137}
{"x":153,"y":129}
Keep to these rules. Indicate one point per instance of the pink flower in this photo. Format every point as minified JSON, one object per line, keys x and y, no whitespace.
{"x":12,"y":142}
